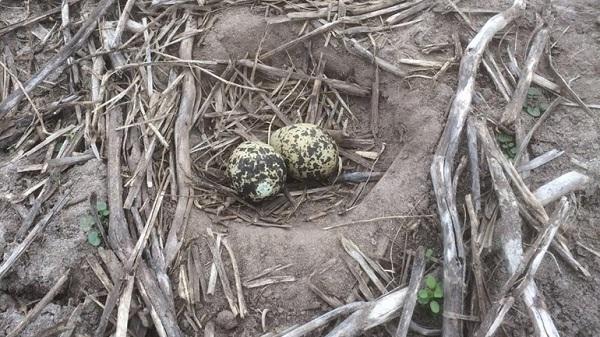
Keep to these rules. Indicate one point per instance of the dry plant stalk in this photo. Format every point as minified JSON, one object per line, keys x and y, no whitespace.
{"x":441,"y":168}
{"x":508,"y":232}
{"x":411,"y":298}
{"x":511,"y":112}
{"x":521,"y":278}
{"x":183,"y":126}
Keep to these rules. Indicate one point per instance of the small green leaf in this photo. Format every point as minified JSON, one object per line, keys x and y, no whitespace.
{"x":430,"y":281}
{"x":423,"y":294}
{"x":534,"y":111}
{"x":435,"y":307}
{"x":423,"y":300}
{"x":429,"y":253}
{"x":86,"y":222}
{"x":93,"y":238}
{"x":104,"y":212}
{"x":504,"y":138}
{"x":438,"y":292}
{"x":101,"y":206}
{"x":533,"y":92}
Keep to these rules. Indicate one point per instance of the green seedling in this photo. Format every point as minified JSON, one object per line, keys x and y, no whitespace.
{"x":429,"y":254}
{"x":536,"y":102}
{"x":507,"y":144}
{"x":102,"y":208}
{"x":87,"y":223}
{"x":431,"y":294}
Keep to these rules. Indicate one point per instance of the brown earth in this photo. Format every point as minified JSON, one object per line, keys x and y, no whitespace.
{"x":412,"y":113}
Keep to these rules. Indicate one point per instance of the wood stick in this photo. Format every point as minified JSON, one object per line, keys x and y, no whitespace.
{"x":514,"y":107}
{"x":323,"y":29}
{"x":162,"y":312}
{"x":563,"y":185}
{"x":37,"y":310}
{"x":371,"y":315}
{"x":375,"y":104}
{"x":324,"y":319}
{"x":356,"y":48}
{"x":124,"y":306}
{"x":409,"y":12}
{"x":78,"y":40}
{"x":520,"y":283}
{"x":183,"y":165}
{"x":543,"y":82}
{"x":540,"y":160}
{"x":508,"y":232}
{"x":411,"y":297}
{"x":482,"y":300}
{"x":346,"y":87}
{"x":441,"y":168}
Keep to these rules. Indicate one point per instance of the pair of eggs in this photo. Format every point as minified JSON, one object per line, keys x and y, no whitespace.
{"x":258,"y":171}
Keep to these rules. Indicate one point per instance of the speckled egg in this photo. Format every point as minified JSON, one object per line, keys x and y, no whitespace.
{"x":256,"y":171}
{"x":308,"y":151}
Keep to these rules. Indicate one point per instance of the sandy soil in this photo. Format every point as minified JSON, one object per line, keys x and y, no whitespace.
{"x":412,"y":113}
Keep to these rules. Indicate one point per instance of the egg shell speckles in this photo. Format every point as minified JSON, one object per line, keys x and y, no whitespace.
{"x":256,"y":171}
{"x":309,"y":152}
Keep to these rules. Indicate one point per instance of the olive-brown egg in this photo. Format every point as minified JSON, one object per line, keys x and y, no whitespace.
{"x":309,"y":152}
{"x":256,"y":171}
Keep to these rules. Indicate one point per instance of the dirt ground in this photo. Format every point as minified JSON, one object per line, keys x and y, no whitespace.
{"x":412,"y":116}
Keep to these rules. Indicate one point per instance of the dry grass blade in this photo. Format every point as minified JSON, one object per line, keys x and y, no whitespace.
{"x":238,"y":280}
{"x":364,"y":263}
{"x":411,"y":296}
{"x":264,"y":281}
{"x":220,"y":267}
{"x":323,"y":29}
